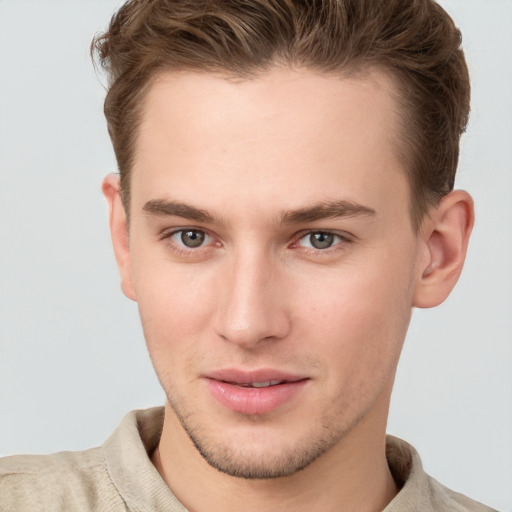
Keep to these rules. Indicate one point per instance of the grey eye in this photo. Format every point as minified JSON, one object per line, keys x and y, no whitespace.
{"x":192,"y":239}
{"x":319,"y":240}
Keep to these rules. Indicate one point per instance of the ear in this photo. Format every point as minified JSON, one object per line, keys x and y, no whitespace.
{"x":119,"y":232}
{"x":445,"y":237}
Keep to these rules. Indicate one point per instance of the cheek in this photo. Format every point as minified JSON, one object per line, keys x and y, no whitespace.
{"x":360,"y":317}
{"x":175,"y":307}
{"x":172,"y":331}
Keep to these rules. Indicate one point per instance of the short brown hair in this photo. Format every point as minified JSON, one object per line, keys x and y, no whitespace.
{"x":415,"y":41}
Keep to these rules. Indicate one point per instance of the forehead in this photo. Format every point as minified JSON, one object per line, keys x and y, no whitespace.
{"x":310,"y":134}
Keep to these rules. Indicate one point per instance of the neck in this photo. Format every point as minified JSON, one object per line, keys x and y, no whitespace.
{"x":336,"y":481}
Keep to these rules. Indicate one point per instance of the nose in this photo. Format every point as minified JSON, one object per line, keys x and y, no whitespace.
{"x":253,"y":304}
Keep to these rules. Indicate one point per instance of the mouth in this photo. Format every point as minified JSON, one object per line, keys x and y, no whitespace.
{"x":257,"y":392}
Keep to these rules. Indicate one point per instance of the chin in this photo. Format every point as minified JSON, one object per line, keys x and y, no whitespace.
{"x":252,"y":464}
{"x":256,"y":448}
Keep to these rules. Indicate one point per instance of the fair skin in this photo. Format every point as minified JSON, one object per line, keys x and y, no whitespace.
{"x":270,"y":242}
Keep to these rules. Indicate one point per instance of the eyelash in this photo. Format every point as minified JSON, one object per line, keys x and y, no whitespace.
{"x":340,"y":240}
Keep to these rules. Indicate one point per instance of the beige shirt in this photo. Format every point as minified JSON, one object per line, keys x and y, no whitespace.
{"x":119,"y":477}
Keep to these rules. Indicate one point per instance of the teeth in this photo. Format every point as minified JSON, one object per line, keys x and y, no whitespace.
{"x":265,"y":384}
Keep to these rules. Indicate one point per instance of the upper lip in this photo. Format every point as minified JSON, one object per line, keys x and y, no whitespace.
{"x":237,"y":376}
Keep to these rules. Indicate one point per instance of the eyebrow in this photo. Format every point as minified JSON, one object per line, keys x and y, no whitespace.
{"x":163,"y":208}
{"x":324,"y":210}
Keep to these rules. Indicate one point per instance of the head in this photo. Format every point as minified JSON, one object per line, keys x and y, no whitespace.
{"x":279,"y":213}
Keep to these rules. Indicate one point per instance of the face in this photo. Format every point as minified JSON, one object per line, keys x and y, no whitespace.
{"x":273,"y":260}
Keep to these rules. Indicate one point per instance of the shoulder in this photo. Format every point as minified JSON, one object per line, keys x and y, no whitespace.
{"x":442,"y":498}
{"x":65,"y":481}
{"x":419,"y":491}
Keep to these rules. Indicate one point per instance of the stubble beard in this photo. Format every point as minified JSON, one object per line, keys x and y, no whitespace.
{"x":240,"y":463}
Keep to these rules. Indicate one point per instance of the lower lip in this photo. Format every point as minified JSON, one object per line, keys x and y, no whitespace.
{"x":248,"y":400}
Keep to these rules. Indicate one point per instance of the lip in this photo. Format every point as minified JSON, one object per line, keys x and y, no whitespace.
{"x":226,"y":387}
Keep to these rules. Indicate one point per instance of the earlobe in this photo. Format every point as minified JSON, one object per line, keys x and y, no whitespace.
{"x":119,"y":232}
{"x":445,"y":238}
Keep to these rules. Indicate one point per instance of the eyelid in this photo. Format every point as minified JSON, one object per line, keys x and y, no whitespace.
{"x":167,"y":232}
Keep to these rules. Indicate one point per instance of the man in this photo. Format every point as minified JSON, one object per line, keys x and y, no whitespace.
{"x":285,"y":199}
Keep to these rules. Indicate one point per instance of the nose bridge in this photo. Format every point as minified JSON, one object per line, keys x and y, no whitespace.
{"x":253,"y":305}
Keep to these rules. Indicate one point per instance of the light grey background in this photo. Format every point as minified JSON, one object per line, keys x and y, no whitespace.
{"x":72,"y":355}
